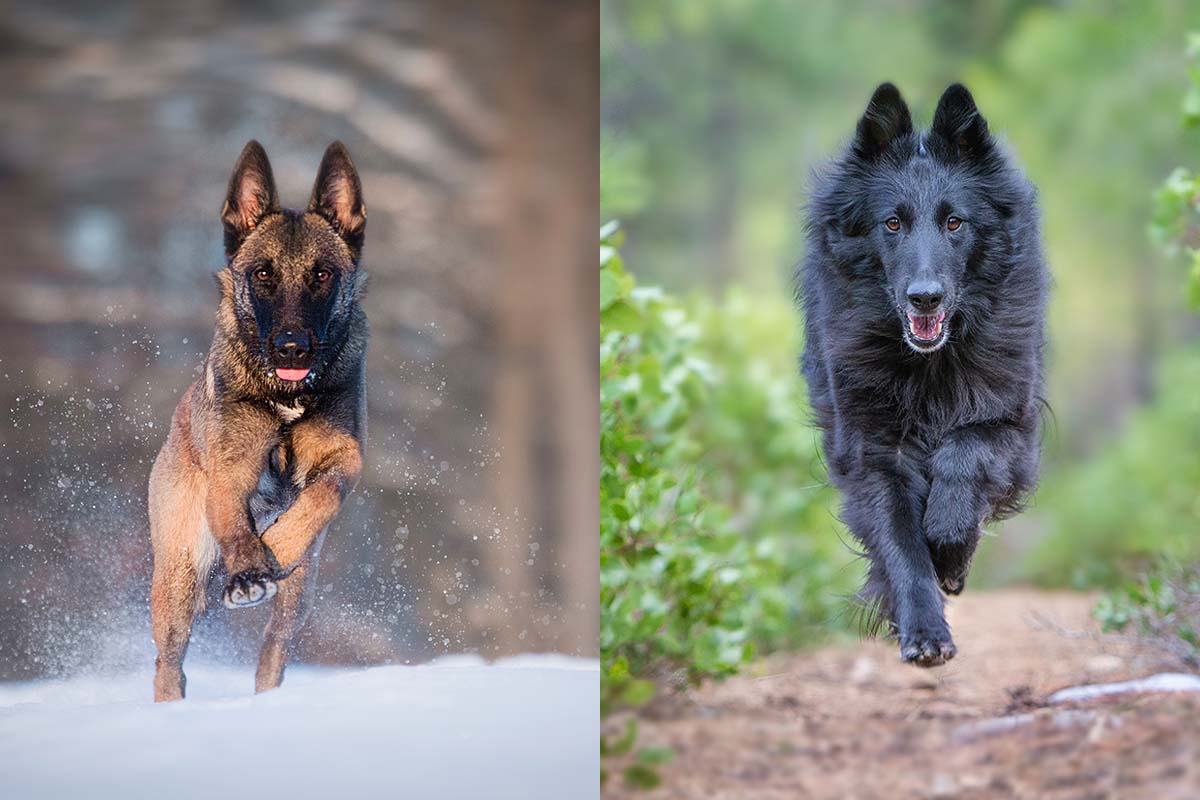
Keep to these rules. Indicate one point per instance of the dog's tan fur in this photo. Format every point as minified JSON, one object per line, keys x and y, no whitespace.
{"x":234,"y":426}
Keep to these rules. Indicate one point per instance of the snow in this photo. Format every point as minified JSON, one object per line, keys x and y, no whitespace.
{"x":525,"y":727}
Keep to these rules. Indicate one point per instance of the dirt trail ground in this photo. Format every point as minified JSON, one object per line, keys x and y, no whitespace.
{"x":852,"y":722}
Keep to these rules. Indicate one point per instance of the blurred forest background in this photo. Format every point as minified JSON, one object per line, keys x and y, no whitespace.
{"x":713,"y":116}
{"x":475,"y":129}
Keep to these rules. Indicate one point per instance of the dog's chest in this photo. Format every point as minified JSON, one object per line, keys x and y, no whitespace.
{"x":289,"y":412}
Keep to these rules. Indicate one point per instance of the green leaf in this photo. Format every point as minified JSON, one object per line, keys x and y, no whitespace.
{"x":655,"y":755}
{"x":621,"y":317}
{"x":620,"y":510}
{"x":1191,"y":108}
{"x":638,"y":693}
{"x":1193,"y":282}
{"x":642,"y":776}
{"x":610,"y":288}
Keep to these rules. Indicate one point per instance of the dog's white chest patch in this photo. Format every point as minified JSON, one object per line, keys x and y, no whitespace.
{"x":289,"y":413}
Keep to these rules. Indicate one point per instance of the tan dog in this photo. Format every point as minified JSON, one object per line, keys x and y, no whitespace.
{"x":266,"y":445}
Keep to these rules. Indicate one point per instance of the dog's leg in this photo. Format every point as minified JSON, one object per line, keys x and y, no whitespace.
{"x":873,"y":611}
{"x":289,"y":612}
{"x":235,"y":463}
{"x":329,"y":461}
{"x":968,"y":468}
{"x":883,"y":509}
{"x":952,"y":534}
{"x":184,"y":552}
{"x":172,"y":607}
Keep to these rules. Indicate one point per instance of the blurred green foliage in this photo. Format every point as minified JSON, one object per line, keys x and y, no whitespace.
{"x":672,"y":569}
{"x":1138,"y":498}
{"x":1162,"y":608}
{"x":761,"y":460}
{"x":1162,"y":605}
{"x":1175,"y":226}
{"x":672,"y":572}
{"x":1174,"y":222}
{"x":623,"y":185}
{"x":1135,"y":499}
{"x":715,"y":537}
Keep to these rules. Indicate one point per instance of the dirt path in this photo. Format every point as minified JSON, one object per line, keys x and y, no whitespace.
{"x":853,"y":722}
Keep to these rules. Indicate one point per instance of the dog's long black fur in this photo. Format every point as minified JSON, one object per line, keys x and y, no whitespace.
{"x":927,"y":438}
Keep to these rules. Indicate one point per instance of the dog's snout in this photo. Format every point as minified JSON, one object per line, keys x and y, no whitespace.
{"x":925,"y":296}
{"x":293,"y":345}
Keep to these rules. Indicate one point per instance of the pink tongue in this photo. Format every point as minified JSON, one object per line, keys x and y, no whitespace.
{"x":292,"y":374}
{"x":925,"y":326}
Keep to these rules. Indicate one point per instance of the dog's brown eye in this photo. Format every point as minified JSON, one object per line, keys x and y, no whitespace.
{"x":893,"y":224}
{"x":324,"y":275}
{"x":953,"y":224}
{"x":262,"y":273}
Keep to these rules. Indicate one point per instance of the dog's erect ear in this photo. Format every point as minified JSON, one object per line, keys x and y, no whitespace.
{"x":885,"y":120}
{"x":251,"y":196}
{"x":958,"y":122}
{"x":337,"y":196}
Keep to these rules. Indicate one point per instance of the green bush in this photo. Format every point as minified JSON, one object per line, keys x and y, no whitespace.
{"x":762,"y":461}
{"x":716,"y":537}
{"x":1162,"y":607}
{"x":673,"y":581}
{"x":673,"y":573}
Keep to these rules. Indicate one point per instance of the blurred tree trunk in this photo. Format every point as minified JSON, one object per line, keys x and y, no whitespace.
{"x":546,"y":389}
{"x":574,"y":284}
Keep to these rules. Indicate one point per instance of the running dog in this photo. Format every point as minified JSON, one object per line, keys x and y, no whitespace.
{"x":266,"y":445}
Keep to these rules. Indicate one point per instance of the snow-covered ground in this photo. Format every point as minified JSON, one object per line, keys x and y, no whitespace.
{"x":522,"y":728}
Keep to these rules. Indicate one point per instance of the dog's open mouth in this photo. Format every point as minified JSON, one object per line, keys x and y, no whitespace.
{"x":926,"y":332}
{"x":291,"y":374}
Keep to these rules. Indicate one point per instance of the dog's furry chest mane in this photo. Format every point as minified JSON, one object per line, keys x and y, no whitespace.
{"x":880,"y":386}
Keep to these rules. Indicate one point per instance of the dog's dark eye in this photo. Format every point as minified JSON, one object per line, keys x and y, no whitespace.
{"x":263,"y":274}
{"x":323,"y":275}
{"x":953,"y":224}
{"x":893,"y":224}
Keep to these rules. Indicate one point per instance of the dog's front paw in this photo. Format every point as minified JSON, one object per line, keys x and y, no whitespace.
{"x":953,"y":513}
{"x":248,"y":588}
{"x":952,"y":562}
{"x":927,"y":648}
{"x":953,"y":584}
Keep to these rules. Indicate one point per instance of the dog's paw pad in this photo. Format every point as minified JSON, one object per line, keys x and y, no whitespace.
{"x":248,"y":588}
{"x":926,"y":651}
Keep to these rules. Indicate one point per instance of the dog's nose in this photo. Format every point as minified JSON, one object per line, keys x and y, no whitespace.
{"x":925,"y":296}
{"x":293,"y":345}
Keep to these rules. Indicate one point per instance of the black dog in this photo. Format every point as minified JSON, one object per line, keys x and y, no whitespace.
{"x":924,"y":293}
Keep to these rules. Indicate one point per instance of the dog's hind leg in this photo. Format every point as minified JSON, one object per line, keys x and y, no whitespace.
{"x":184,"y":552}
{"x":290,"y":610}
{"x":872,"y":610}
